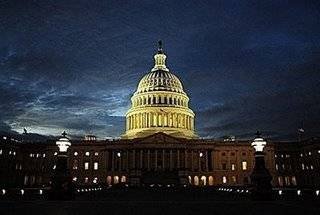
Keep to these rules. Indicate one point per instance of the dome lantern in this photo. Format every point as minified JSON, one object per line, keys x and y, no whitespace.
{"x":160,"y":59}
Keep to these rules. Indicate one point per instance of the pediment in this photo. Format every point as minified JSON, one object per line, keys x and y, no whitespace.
{"x":160,"y":137}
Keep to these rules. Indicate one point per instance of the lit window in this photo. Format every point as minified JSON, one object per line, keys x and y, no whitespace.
{"x":311,"y":167}
{"x":116,"y":179}
{"x":234,"y":179}
{"x":277,"y":167}
{"x":86,"y":165}
{"x":118,"y":154}
{"x":37,"y":155}
{"x":318,"y":151}
{"x":224,"y":179}
{"x":95,"y":165}
{"x":75,"y":164}
{"x":95,"y":180}
{"x":10,"y":152}
{"x":0,"y":151}
{"x":309,"y":153}
{"x":301,"y":155}
{"x":75,"y":153}
{"x":201,"y":154}
{"x":54,"y":167}
{"x":14,"y":153}
{"x":87,"y":153}
{"x":74,"y":179}
{"x":282,"y":156}
{"x":96,"y":154}
{"x":44,"y":155}
{"x":233,"y":166}
{"x":244,"y":165}
{"x":123,"y":179}
{"x":86,"y":180}
{"x":283,"y":167}
{"x":55,"y":153}
{"x":275,"y":156}
{"x":31,"y":155}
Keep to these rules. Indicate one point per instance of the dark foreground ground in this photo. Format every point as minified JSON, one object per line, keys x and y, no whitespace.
{"x":161,"y":202}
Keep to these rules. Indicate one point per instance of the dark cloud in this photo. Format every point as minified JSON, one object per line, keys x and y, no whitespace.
{"x":74,"y":64}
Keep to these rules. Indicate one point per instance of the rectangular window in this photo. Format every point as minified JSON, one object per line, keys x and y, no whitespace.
{"x":244,"y":165}
{"x":233,"y":167}
{"x":86,"y":165}
{"x":95,"y":165}
{"x":224,"y":166}
{"x":234,"y":179}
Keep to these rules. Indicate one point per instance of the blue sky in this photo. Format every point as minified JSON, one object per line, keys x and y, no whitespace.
{"x":246,"y":65}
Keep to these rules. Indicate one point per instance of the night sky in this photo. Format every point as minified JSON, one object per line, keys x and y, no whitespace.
{"x":246,"y":65}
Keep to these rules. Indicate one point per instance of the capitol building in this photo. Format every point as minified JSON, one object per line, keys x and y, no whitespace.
{"x":160,"y":146}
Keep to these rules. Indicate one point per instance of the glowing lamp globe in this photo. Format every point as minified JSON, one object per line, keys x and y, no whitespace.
{"x":258,"y":144}
{"x":63,"y":143}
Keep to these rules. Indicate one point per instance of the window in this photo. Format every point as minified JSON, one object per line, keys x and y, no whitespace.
{"x":223,"y":154}
{"x":224,"y":166}
{"x":233,"y":167}
{"x":201,"y":154}
{"x":95,"y":165}
{"x":233,"y":154}
{"x":75,"y":153}
{"x":74,"y":179}
{"x":43,"y":155}
{"x":118,"y":154}
{"x":244,"y":154}
{"x":95,"y":180}
{"x":244,"y":165}
{"x":54,"y":167}
{"x":75,"y":164}
{"x":224,"y":179}
{"x":86,"y":180}
{"x":116,"y":179}
{"x":123,"y":179}
{"x":87,"y":153}
{"x":277,"y":167}
{"x":96,"y":153}
{"x":234,"y":179}
{"x":0,"y":151}
{"x":86,"y":165}
{"x":55,"y":153}
{"x":302,"y":166}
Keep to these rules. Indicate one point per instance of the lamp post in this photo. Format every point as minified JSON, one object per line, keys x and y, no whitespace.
{"x":61,"y":183}
{"x":260,"y":176}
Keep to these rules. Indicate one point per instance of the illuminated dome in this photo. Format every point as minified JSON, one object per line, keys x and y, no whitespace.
{"x":160,"y":104}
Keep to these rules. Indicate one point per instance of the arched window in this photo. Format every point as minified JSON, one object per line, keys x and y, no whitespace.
{"x":203,"y":180}
{"x":116,"y":179}
{"x":123,"y":179}
{"x":210,"y":179}
{"x":109,"y":180}
{"x":196,"y":180}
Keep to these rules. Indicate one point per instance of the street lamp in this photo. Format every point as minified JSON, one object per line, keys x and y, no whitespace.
{"x":61,"y":183}
{"x":260,"y":176}
{"x":63,"y":143}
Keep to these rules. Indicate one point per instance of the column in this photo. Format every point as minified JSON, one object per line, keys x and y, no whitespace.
{"x":185,"y":159}
{"x":163,"y":164}
{"x":141,"y":158}
{"x":134,"y":159}
{"x":170,"y":159}
{"x":178,"y":156}
{"x":156,"y":159}
{"x":207,"y":164}
{"x":192,"y":160}
{"x":112,"y":161}
{"x":148,"y":159}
